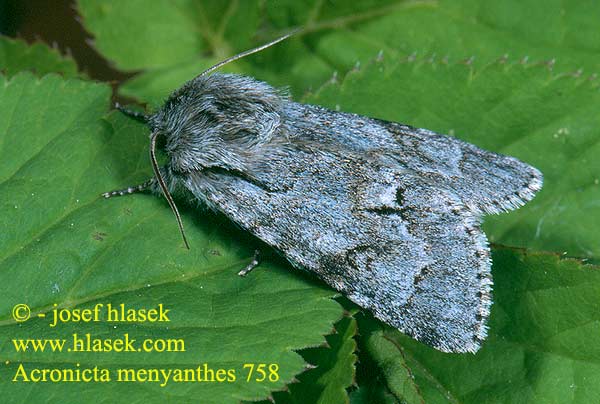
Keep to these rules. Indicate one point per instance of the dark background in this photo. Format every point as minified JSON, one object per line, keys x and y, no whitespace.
{"x":56,"y":23}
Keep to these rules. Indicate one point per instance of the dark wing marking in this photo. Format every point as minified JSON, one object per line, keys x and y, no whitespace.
{"x":387,"y":214}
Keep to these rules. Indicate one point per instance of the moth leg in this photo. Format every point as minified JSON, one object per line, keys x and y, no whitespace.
{"x":138,"y":116}
{"x":130,"y":190}
{"x":253,"y":264}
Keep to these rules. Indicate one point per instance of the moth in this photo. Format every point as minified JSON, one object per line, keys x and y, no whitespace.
{"x":386,"y":213}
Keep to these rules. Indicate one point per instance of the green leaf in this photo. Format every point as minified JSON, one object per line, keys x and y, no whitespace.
{"x":542,"y":347}
{"x":382,"y":356}
{"x":333,"y":373}
{"x":16,"y":56}
{"x":522,"y":110}
{"x":382,"y":364}
{"x":460,"y":29}
{"x":63,"y":244}
{"x":173,"y":41}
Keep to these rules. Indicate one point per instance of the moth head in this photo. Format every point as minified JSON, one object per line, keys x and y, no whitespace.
{"x":217,"y":121}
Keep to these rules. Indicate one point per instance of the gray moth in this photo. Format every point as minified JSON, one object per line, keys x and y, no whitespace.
{"x":386,"y":213}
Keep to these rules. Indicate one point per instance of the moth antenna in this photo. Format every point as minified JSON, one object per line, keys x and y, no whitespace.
{"x":138,"y":116}
{"x":248,"y":52}
{"x":164,"y":188}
